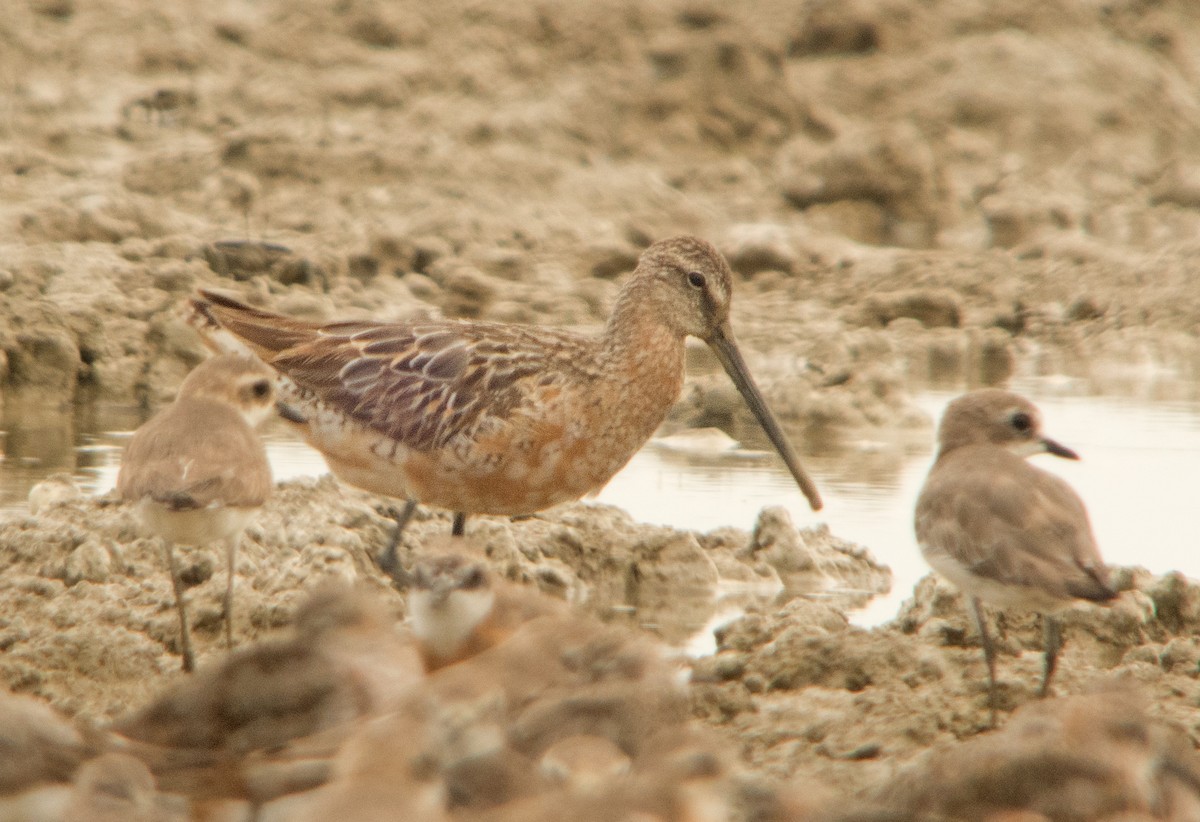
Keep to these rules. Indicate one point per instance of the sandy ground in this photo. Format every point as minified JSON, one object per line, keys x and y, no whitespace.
{"x":910,"y":192}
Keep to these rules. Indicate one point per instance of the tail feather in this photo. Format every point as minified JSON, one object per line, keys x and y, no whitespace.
{"x":245,"y":327}
{"x":196,"y":313}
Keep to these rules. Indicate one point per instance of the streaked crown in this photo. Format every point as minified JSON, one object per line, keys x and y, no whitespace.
{"x":686,"y":282}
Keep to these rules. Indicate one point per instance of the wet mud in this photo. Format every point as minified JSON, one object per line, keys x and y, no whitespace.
{"x":910,"y":193}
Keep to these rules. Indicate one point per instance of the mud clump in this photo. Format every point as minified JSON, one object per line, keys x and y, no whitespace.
{"x":910,"y":193}
{"x":802,"y":693}
{"x":93,"y":580}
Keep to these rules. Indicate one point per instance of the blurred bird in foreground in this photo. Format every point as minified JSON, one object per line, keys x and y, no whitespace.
{"x":39,"y":754}
{"x":457,"y":608}
{"x":266,"y":720}
{"x":565,"y":715}
{"x":117,"y":787}
{"x":1099,"y":756}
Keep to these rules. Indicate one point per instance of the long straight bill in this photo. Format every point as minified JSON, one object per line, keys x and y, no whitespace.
{"x":725,"y":347}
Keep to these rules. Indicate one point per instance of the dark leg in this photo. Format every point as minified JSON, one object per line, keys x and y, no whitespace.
{"x":460,"y":523}
{"x":389,"y":560}
{"x":989,"y":653}
{"x":1052,"y":633}
{"x":185,"y":635}
{"x":231,"y":546}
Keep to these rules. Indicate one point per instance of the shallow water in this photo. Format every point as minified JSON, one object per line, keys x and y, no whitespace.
{"x":1140,"y":460}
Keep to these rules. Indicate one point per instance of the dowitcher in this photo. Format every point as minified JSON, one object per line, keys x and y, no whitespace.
{"x":1002,"y":530}
{"x":491,"y":418}
{"x":198,"y":472}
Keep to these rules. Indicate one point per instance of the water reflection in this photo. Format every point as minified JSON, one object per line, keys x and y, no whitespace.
{"x":36,"y":440}
{"x":46,"y":443}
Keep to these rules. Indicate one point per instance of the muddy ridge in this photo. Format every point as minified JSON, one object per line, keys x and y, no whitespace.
{"x":910,"y":193}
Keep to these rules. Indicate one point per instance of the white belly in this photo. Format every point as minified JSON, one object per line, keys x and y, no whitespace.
{"x":198,"y":526}
{"x":1001,"y":595}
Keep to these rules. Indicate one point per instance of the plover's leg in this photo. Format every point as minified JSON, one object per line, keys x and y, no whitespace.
{"x":989,"y":653}
{"x":460,"y":523}
{"x":389,"y":560}
{"x":1052,"y":634}
{"x":185,"y":635}
{"x":231,"y":546}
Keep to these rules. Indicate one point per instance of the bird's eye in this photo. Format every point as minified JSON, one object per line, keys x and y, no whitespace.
{"x":473,"y":578}
{"x":695,"y":279}
{"x":261,"y":389}
{"x":1022,"y":422}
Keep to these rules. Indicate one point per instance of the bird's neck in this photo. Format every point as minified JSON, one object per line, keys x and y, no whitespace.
{"x":638,"y":322}
{"x":1021,"y":450}
{"x":640,"y":348}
